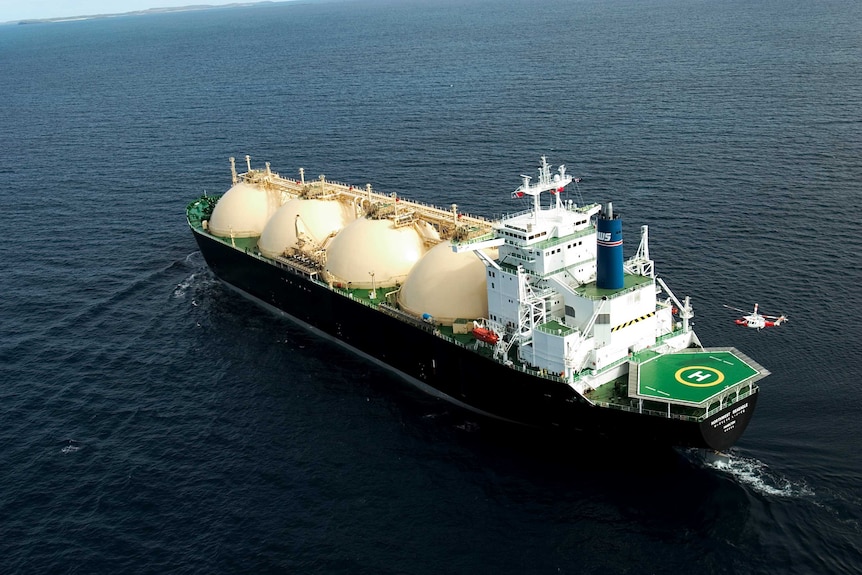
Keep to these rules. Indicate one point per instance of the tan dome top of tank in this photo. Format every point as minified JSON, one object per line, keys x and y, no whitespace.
{"x":318,"y":220}
{"x":243,"y":211}
{"x":447,"y":285}
{"x":373,"y":246}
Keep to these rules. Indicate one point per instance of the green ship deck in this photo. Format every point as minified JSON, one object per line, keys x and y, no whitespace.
{"x":693,"y":377}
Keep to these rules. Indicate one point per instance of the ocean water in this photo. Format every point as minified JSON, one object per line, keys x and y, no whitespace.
{"x":155,"y":422}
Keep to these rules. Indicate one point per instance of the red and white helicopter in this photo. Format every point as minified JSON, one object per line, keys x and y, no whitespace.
{"x":757,"y":320}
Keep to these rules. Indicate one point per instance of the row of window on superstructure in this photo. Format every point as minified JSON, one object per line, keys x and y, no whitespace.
{"x":520,"y":237}
{"x":568,"y":247}
{"x":509,"y":324}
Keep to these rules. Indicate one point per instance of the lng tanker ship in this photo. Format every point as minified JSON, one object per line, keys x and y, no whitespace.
{"x":535,"y":319}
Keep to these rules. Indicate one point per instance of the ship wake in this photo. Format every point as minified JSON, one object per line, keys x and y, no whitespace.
{"x":201,"y":275}
{"x":752,"y":473}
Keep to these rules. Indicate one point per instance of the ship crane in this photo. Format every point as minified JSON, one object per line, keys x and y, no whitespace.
{"x":501,"y":350}
{"x":641,"y":264}
{"x":685,"y":310}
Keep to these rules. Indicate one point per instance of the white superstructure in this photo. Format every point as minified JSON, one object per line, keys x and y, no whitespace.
{"x":544,"y":298}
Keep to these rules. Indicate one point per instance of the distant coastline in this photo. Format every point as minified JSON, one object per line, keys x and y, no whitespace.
{"x":140,"y":12}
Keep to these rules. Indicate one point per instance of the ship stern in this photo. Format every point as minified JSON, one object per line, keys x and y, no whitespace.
{"x":725,"y":427}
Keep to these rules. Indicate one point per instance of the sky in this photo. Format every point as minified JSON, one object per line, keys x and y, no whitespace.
{"x":12,"y":10}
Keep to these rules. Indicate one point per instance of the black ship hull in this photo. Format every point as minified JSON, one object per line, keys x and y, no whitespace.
{"x":453,"y":372}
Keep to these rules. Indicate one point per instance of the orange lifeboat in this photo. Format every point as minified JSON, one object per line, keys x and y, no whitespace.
{"x":486,"y":335}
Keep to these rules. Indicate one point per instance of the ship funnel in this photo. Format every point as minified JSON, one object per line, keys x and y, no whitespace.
{"x":609,"y":254}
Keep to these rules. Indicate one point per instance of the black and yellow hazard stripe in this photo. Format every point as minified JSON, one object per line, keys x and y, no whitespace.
{"x":634,"y":321}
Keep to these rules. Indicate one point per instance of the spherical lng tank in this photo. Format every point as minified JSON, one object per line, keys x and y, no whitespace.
{"x":377,"y":247}
{"x":303,"y":224}
{"x":446,"y":285}
{"x":243,"y":211}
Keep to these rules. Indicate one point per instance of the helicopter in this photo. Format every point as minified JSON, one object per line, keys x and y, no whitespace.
{"x":756,"y":320}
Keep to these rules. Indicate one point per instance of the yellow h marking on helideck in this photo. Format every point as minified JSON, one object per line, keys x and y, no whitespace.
{"x":704,"y":376}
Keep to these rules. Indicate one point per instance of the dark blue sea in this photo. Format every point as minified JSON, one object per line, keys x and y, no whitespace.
{"x":155,"y":422}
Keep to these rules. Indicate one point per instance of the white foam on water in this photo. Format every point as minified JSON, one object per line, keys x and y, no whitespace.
{"x":754,"y":473}
{"x":183,"y":286}
{"x":193,"y":258}
{"x":71,"y":447}
{"x":468,"y":426}
{"x":194,"y":261}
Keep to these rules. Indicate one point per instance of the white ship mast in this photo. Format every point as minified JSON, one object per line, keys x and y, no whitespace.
{"x":546,"y":183}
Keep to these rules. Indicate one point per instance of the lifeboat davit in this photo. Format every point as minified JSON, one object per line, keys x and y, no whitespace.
{"x":486,"y":335}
